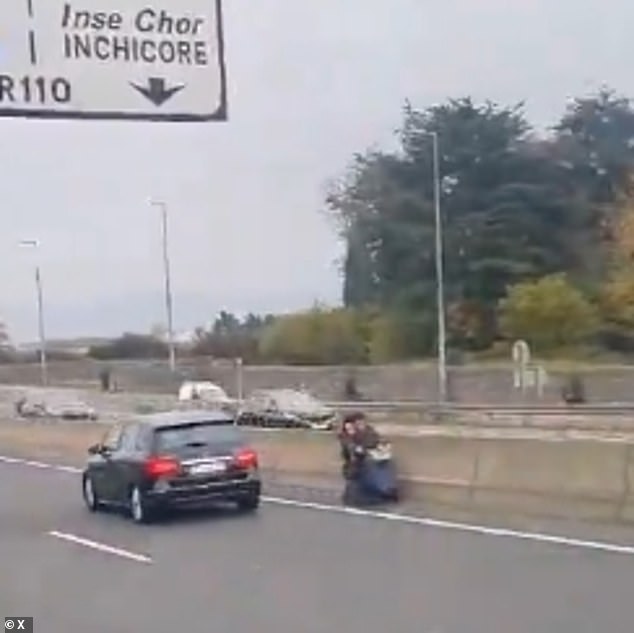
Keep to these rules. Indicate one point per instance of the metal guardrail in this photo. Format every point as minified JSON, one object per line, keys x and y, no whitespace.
{"x":421,"y":406}
{"x":410,"y":406}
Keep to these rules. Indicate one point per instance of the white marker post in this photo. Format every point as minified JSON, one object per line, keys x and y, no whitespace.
{"x":156,"y":60}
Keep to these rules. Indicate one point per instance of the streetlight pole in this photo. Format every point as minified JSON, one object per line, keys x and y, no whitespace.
{"x":440,"y":278}
{"x":40,"y":313}
{"x":169,"y":309}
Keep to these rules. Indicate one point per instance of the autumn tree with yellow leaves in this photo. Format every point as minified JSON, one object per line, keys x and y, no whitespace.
{"x":617,"y":296}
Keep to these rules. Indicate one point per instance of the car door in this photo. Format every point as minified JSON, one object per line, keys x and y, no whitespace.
{"x":122,"y":464}
{"x":101,"y":464}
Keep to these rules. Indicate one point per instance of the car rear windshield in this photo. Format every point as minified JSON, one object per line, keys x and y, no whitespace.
{"x":172,"y":438}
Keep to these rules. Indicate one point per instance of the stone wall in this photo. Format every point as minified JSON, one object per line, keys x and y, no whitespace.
{"x":484,"y":384}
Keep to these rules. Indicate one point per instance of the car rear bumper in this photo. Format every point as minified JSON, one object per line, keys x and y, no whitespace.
{"x":204,"y":494}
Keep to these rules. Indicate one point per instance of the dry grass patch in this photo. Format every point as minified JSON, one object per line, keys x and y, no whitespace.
{"x":64,"y":442}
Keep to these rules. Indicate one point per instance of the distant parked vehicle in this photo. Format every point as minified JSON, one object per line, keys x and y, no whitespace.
{"x":205,"y":394}
{"x":286,"y":409}
{"x":63,"y":405}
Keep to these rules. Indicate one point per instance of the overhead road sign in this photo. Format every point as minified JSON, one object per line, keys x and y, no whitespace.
{"x":157,"y":60}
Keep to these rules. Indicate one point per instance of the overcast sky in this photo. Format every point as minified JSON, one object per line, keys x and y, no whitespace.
{"x":311,"y":82}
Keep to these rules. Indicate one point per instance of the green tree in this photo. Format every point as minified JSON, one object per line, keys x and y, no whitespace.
{"x":315,"y":337}
{"x":617,"y":300}
{"x":400,"y":336}
{"x":549,"y":313}
{"x":226,"y":324}
{"x":621,"y":236}
{"x":230,"y":337}
{"x":595,"y":137}
{"x":617,"y":293}
{"x":594,"y":142}
{"x":471,"y":325}
{"x":505,"y":210}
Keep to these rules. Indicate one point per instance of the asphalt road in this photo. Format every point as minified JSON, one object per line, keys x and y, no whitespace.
{"x":288,"y":569}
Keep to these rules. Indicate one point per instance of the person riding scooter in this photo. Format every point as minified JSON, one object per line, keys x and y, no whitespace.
{"x":356,"y":437}
{"x":366,"y":479}
{"x":347,"y":444}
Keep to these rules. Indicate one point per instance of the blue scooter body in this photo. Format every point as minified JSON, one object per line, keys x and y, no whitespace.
{"x":379,"y":478}
{"x":375,"y":482}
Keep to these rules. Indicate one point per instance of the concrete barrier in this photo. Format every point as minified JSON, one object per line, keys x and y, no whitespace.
{"x":558,"y":478}
{"x":581,"y":479}
{"x":591,"y":480}
{"x":627,"y":511}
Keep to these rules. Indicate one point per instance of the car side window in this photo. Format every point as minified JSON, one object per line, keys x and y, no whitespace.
{"x":141,"y":440}
{"x":128,"y":439}
{"x":112,"y":439}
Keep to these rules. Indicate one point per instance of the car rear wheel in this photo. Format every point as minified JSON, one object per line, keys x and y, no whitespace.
{"x":90,"y":496}
{"x":139,"y":510}
{"x":249,"y":503}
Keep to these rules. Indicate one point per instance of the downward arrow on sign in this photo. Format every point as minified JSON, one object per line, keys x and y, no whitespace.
{"x":156,"y":90}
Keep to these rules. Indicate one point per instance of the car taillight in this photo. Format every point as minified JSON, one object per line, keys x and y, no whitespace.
{"x":246,"y":458}
{"x":161,"y":467}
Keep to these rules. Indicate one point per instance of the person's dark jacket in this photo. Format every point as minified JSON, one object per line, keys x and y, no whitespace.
{"x":366,"y":438}
{"x":354,"y":448}
{"x":346,"y":445}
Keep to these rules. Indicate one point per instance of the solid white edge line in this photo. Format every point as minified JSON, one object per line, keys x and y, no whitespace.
{"x":537,"y":537}
{"x":40,"y":465}
{"x":100,"y":547}
{"x":458,"y":527}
